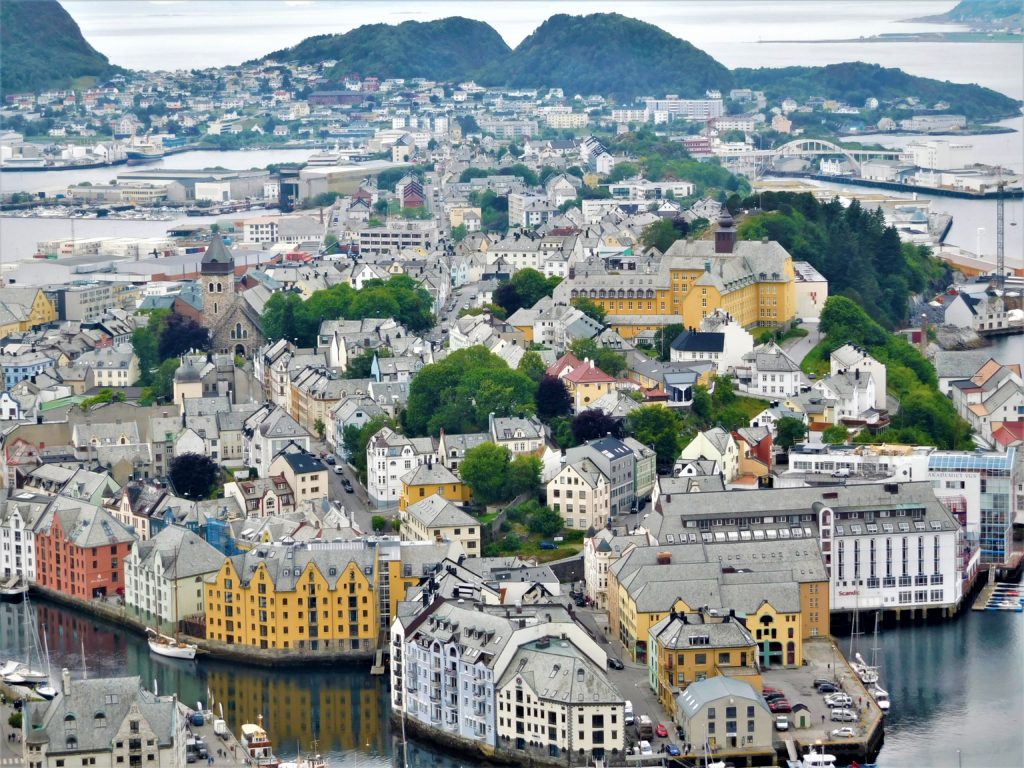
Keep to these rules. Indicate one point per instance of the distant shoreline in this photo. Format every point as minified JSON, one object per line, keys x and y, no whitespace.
{"x":917,"y":37}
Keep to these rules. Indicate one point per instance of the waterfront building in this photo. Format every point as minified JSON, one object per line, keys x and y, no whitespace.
{"x":18,"y":515}
{"x":81,"y":549}
{"x":725,"y":714}
{"x":685,"y":648}
{"x":454,"y":670}
{"x":164,"y":577}
{"x":889,"y":546}
{"x":993,"y":395}
{"x":437,"y":519}
{"x":752,"y":281}
{"x":311,"y":597}
{"x":105,"y":722}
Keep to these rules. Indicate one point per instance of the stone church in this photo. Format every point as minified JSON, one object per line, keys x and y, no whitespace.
{"x":234,"y":325}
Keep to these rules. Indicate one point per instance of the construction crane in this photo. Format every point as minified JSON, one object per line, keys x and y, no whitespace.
{"x":1000,"y":281}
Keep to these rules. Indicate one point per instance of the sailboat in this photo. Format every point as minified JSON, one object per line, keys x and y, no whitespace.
{"x":14,"y":589}
{"x":18,"y":675}
{"x":310,"y":760}
{"x":164,"y":645}
{"x":880,"y":695}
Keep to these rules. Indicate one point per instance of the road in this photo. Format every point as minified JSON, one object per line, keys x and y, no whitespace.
{"x":355,"y":503}
{"x":799,"y":347}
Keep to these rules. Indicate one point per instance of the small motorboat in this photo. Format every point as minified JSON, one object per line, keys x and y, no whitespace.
{"x":162,"y":645}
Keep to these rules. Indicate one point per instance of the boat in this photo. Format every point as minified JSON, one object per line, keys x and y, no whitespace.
{"x":23,"y":674}
{"x":144,"y":152}
{"x":813,"y":759}
{"x":14,"y":589}
{"x":163,"y":645}
{"x":305,"y":761}
{"x":257,"y":746}
{"x":881,"y":697}
{"x":867,"y":674}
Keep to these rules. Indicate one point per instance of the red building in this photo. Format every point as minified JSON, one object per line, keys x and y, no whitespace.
{"x":81,"y":549}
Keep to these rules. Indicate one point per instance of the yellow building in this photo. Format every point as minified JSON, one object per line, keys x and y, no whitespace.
{"x":304,"y":472}
{"x":430,"y":480}
{"x":22,"y":309}
{"x":313,"y":600}
{"x":753,"y":281}
{"x":687,"y":647}
{"x":437,"y":519}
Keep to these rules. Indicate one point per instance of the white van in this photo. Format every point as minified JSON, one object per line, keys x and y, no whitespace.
{"x":630,"y":718}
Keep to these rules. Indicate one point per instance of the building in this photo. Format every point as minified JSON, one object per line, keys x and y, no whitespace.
{"x":233,"y":324}
{"x":716,"y":445}
{"x":617,"y":463}
{"x":725,"y":714}
{"x":599,"y":552}
{"x":18,"y":515}
{"x":685,"y":648}
{"x":811,"y":291}
{"x":164,"y":576}
{"x":81,"y":550}
{"x":287,"y":597}
{"x":522,"y":436}
{"x":850,"y":357}
{"x":262,"y":496}
{"x":390,"y":456}
{"x":752,"y":281}
{"x":105,"y":722}
{"x":769,"y":371}
{"x":993,"y":395}
{"x":110,"y":367}
{"x":437,"y":519}
{"x":432,"y":479}
{"x":305,"y":474}
{"x":581,"y":494}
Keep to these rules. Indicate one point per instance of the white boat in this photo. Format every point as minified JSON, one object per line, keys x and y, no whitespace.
{"x":881,"y":697}
{"x":867,"y":674}
{"x":22,"y":674}
{"x":813,"y":760}
{"x":162,"y":645}
{"x":14,"y":590}
{"x":307,"y":761}
{"x":258,"y":749}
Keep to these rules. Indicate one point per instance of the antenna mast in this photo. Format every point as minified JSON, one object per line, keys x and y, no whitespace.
{"x":1000,"y":281}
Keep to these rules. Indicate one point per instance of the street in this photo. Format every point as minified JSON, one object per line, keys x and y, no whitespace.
{"x":800,"y":347}
{"x":355,"y":503}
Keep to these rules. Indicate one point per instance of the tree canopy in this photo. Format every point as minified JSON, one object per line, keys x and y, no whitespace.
{"x":194,"y":475}
{"x":458,"y":393}
{"x":659,"y":427}
{"x":494,"y":476}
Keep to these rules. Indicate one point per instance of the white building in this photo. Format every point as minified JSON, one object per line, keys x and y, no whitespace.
{"x":811,"y":291}
{"x":581,"y":494}
{"x":163,"y":577}
{"x":18,"y":517}
{"x":850,"y":357}
{"x":599,"y":552}
{"x":769,"y":371}
{"x":389,"y":457}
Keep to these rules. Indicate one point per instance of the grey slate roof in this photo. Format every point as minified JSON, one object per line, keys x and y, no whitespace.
{"x":436,"y":512}
{"x":182,"y":554}
{"x":703,"y":692}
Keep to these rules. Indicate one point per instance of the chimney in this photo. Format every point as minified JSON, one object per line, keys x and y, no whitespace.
{"x":725,"y":236}
{"x":65,"y":682}
{"x":664,"y":558}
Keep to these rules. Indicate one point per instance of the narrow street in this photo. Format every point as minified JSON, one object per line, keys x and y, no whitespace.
{"x":799,"y":348}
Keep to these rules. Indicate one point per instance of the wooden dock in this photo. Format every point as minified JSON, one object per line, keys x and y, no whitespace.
{"x":1000,"y":596}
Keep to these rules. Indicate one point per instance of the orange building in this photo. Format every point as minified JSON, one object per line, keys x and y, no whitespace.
{"x":81,"y":549}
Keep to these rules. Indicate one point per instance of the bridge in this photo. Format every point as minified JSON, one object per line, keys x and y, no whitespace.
{"x":765,"y":158}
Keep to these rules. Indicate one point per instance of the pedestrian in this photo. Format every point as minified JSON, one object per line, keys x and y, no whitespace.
{"x":822,"y":719}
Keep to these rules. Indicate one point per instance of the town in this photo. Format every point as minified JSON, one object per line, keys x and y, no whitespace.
{"x":559,"y":414}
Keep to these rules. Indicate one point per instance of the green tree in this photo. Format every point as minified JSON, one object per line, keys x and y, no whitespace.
{"x":320,"y":428}
{"x":591,"y":309}
{"x":379,"y":523}
{"x":485,"y":469}
{"x":532,"y":365}
{"x":194,"y":475}
{"x":724,"y":393}
{"x":459,"y":233}
{"x":659,"y":427}
{"x":663,"y":339}
{"x":545,"y":521}
{"x":837,"y":434}
{"x":356,"y":438}
{"x":789,"y":431}
{"x":607,"y":360}
{"x":662,"y":233}
{"x":523,"y":476}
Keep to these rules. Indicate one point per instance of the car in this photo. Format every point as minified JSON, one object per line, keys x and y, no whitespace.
{"x":769,"y":689}
{"x":337,"y":469}
{"x":846,"y":732}
{"x":673,"y":750}
{"x":645,"y":748}
{"x":780,"y":706}
{"x":330,"y":461}
{"x":842,"y":715}
{"x":547,"y":545}
{"x":820,"y":681}
{"x":613,"y":662}
{"x":829,"y":688}
{"x":661,"y":731}
{"x":781,"y":723}
{"x":347,"y":486}
{"x":839,"y":700}
{"x":774,"y":696}
{"x":841,"y":472}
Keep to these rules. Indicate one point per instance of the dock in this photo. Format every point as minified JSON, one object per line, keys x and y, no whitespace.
{"x":225,"y":750}
{"x":1000,"y":596}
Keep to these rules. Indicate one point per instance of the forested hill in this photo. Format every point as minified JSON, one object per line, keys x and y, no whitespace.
{"x":608,"y":54}
{"x":853,"y":82}
{"x":42,"y":47}
{"x":1008,"y":12}
{"x":447,"y":49}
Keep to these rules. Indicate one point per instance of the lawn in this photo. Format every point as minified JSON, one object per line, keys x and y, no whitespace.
{"x":751,"y":406}
{"x":817,"y":360}
{"x":529,"y":545}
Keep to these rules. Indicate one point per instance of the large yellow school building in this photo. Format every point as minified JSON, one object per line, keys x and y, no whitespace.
{"x":754,"y":281}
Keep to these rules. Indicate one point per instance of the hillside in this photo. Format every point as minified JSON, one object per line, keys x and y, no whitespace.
{"x":607,"y":54}
{"x":854,"y":82}
{"x":42,"y":47}
{"x":446,"y":49}
{"x":980,"y":12}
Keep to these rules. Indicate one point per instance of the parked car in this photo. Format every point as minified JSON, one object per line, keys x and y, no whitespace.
{"x":841,"y":472}
{"x":547,"y":545}
{"x":842,"y":715}
{"x":829,"y":688}
{"x":782,"y":723}
{"x":645,"y":748}
{"x":661,"y":731}
{"x":839,"y":700}
{"x":781,"y":705}
{"x":673,"y":750}
{"x":337,"y":469}
{"x":346,"y":485}
{"x":330,"y":460}
{"x":820,"y":681}
{"x":769,"y":689}
{"x":615,"y":663}
{"x":774,"y":696}
{"x":846,"y":732}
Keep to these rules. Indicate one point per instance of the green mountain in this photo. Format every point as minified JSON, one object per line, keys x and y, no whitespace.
{"x":447,"y":49}
{"x":42,"y":47}
{"x":854,"y":82}
{"x":1008,"y":12}
{"x":607,"y":54}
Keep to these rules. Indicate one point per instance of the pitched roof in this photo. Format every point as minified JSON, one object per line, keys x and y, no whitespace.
{"x":697,"y":341}
{"x":436,"y":512}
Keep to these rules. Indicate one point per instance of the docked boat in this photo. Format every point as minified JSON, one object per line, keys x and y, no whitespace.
{"x":881,"y":697}
{"x":867,"y":674}
{"x":305,"y":761}
{"x":144,"y":152}
{"x":16,"y":673}
{"x":813,"y":759}
{"x":14,"y":589}
{"x":162,"y":645}
{"x":257,"y":746}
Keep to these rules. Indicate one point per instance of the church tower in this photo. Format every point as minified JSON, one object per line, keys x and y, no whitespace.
{"x":217,"y":278}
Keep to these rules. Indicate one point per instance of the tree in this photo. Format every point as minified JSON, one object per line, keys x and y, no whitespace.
{"x":701,"y":410}
{"x":355,"y":439}
{"x":379,"y":523}
{"x":182,"y":334}
{"x":594,"y":423}
{"x":532,"y":365}
{"x":724,"y":393}
{"x":553,"y":399}
{"x":507,"y":297}
{"x":607,"y":360}
{"x":789,"y":431}
{"x":661,"y":234}
{"x":545,"y":521}
{"x":663,"y":338}
{"x":485,"y":469}
{"x":590,"y":308}
{"x":146,"y":343}
{"x":459,"y":233}
{"x":659,"y":427}
{"x":837,"y":434}
{"x":320,"y":428}
{"x":194,"y":475}
{"x":523,"y":476}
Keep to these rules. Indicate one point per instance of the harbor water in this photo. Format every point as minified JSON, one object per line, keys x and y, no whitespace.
{"x":954,"y":686}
